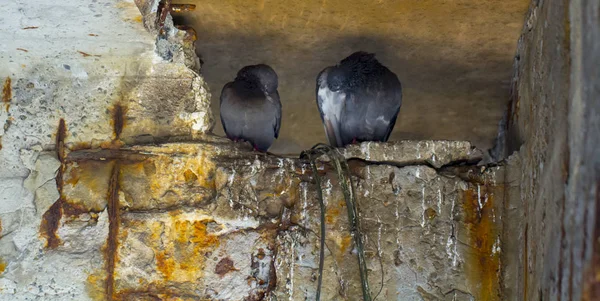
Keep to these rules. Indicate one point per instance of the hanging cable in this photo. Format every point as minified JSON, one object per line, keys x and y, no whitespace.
{"x":343,"y":173}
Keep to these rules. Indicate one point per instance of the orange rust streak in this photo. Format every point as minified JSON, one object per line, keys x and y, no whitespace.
{"x":49,"y":225}
{"x":51,"y":218}
{"x":118,"y":119}
{"x":346,"y":241}
{"x":190,"y":243}
{"x":85,"y":54}
{"x":7,"y":90}
{"x":331,"y":215}
{"x":92,"y":35}
{"x":22,"y":49}
{"x":30,"y":27}
{"x":2,"y":266}
{"x":483,"y":265}
{"x":61,"y":134}
{"x":113,"y":231}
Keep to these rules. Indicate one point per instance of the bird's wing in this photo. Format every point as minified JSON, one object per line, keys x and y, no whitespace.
{"x":330,"y":106}
{"x":230,"y":112}
{"x":386,"y":99}
{"x":277,"y":118}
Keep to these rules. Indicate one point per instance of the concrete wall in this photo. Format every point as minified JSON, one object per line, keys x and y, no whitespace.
{"x":551,"y":241}
{"x":111,"y":186}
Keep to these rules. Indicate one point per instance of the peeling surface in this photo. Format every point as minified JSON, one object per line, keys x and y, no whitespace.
{"x":151,"y":207}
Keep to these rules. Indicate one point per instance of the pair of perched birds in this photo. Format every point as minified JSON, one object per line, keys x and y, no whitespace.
{"x":359,"y":100}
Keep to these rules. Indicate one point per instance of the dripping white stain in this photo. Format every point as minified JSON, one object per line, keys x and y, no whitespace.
{"x":496,"y":247}
{"x":303,"y":215}
{"x":439,"y":201}
{"x":479,"y":196}
{"x":423,"y":206}
{"x":379,"y":236}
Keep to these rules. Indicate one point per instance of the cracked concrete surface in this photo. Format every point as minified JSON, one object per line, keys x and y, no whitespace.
{"x":111,"y":186}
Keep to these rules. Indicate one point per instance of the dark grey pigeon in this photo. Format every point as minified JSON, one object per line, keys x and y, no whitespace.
{"x":250,"y":107}
{"x":359,"y":100}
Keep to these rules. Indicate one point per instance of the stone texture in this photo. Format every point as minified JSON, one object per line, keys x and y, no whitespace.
{"x":552,"y":216}
{"x":77,"y":76}
{"x":414,"y":152}
{"x":111,"y":188}
{"x":214,"y":220}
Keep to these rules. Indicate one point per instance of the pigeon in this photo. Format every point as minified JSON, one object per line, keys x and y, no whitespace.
{"x":250,"y":107}
{"x":358,"y":99}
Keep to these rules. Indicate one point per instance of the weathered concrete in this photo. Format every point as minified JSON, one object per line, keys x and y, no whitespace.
{"x":213,"y":220}
{"x":117,"y":192}
{"x":84,"y":74}
{"x":554,"y":124}
{"x":111,"y":187}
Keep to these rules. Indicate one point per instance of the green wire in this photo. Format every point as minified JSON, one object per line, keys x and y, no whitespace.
{"x":343,"y":173}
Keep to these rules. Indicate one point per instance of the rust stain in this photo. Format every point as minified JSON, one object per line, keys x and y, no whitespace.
{"x":345,"y":243}
{"x":164,"y":7}
{"x":92,"y":35}
{"x":113,"y":231}
{"x":333,"y":211}
{"x":331,"y":215}
{"x":91,"y":177}
{"x":430,"y":213}
{"x":190,"y":33}
{"x":49,"y":225}
{"x":190,"y":176}
{"x":30,"y":27}
{"x":113,"y":144}
{"x":61,"y":134}
{"x":118,"y":119}
{"x":206,"y":173}
{"x":224,"y":266}
{"x":182,"y":259}
{"x":261,"y":254}
{"x":2,"y":266}
{"x":51,"y":218}
{"x":483,"y":265}
{"x":85,"y":54}
{"x":137,"y":19}
{"x":181,"y":8}
{"x":80,"y":145}
{"x":7,"y":92}
{"x":73,"y":177}
{"x":23,"y":49}
{"x":95,"y":286}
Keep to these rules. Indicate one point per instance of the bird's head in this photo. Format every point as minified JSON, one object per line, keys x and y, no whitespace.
{"x":264,"y":75}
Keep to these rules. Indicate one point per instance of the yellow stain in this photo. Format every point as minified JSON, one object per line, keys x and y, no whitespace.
{"x":96,"y":286}
{"x":182,"y":258}
{"x":482,"y":266}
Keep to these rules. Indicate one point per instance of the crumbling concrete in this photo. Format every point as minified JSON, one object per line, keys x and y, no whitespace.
{"x":214,"y":220}
{"x":112,"y":189}
{"x":553,"y":125}
{"x":111,"y":186}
